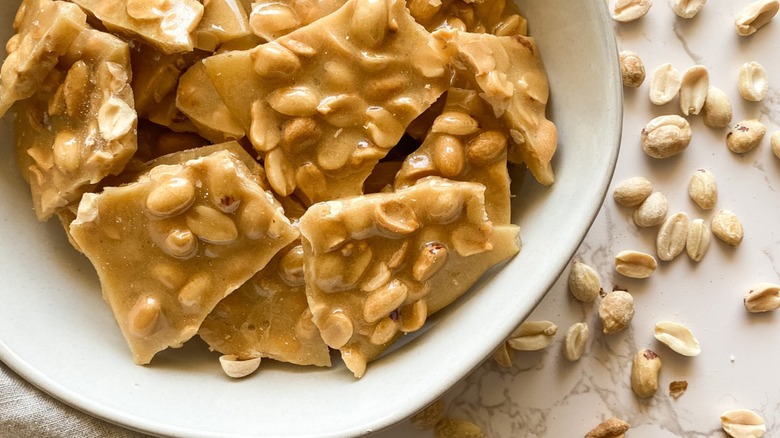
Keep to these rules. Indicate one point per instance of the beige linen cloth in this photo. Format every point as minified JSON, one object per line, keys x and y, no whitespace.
{"x":26,"y":412}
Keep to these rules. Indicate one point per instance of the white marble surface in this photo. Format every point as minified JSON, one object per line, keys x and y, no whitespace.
{"x":544,"y":395}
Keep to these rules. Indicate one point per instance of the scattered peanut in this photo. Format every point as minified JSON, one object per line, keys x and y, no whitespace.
{"x":503,"y":355}
{"x":652,"y":211}
{"x":717,"y":109}
{"x":763,"y":297}
{"x":703,"y":189}
{"x":693,"y":89}
{"x":610,"y":428}
{"x":630,"y":10}
{"x":644,"y":373}
{"x":429,"y":416}
{"x":584,"y":282}
{"x":753,"y":82}
{"x":533,"y":336}
{"x":688,"y":8}
{"x":458,"y":428}
{"x":616,"y":311}
{"x":575,"y":341}
{"x":776,"y":144}
{"x":672,"y":236}
{"x":742,"y":423}
{"x":665,"y":84}
{"x":698,"y":240}
{"x":745,"y":136}
{"x":666,"y":136}
{"x":635,"y":264}
{"x":632,"y":191}
{"x":727,"y":227}
{"x":755,"y":15}
{"x":632,"y":70}
{"x":677,"y":337}
{"x":237,"y":368}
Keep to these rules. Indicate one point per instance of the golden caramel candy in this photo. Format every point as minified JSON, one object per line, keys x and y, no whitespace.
{"x":377,"y":265}
{"x":44,"y":31}
{"x":509,"y":73}
{"x":164,"y":25}
{"x":80,"y":125}
{"x":268,"y":316}
{"x":466,"y":143}
{"x":170,"y":246}
{"x":324,"y":103}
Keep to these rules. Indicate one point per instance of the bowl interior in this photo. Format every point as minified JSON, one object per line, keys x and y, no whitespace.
{"x":56,"y":331}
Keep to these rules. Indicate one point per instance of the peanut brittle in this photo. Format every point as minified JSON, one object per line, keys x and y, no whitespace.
{"x":156,"y":75}
{"x":170,"y":246}
{"x":509,"y":73}
{"x":165,"y":25}
{"x":271,"y":19}
{"x":44,"y":31}
{"x":483,"y":16}
{"x":466,"y":143}
{"x":269,"y":316}
{"x":223,"y":20}
{"x":377,"y":265}
{"x":80,"y":125}
{"x":326,"y":102}
{"x":197,"y":98}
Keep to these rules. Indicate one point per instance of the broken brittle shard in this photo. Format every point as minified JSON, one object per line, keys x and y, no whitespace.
{"x":268,"y":316}
{"x":325,"y":103}
{"x":465,"y":143}
{"x":508,"y":72}
{"x":44,"y":31}
{"x":377,"y":265}
{"x":165,"y":25}
{"x":171,"y":245}
{"x":80,"y":126}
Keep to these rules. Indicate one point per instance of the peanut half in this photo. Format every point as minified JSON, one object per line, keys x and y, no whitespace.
{"x":742,"y":423}
{"x":672,"y":236}
{"x":575,"y":341}
{"x":665,"y":84}
{"x":652,"y":211}
{"x":755,"y":16}
{"x":687,"y":8}
{"x":763,"y":297}
{"x":753,"y":82}
{"x":630,"y":10}
{"x":635,"y":264}
{"x":698,"y":240}
{"x":776,"y":144}
{"x":677,"y":337}
{"x":533,"y":336}
{"x":693,"y":89}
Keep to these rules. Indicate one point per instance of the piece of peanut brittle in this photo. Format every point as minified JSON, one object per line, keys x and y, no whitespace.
{"x":165,"y":25}
{"x":170,"y":246}
{"x":223,"y":20}
{"x":466,"y":143}
{"x":44,"y":31}
{"x":485,"y":16}
{"x":377,"y":265}
{"x":271,"y":19}
{"x":509,"y":73}
{"x":269,"y":316}
{"x":324,"y":103}
{"x":80,"y":126}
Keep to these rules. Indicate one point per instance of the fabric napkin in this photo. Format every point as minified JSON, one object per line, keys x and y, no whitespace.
{"x":27,"y":412}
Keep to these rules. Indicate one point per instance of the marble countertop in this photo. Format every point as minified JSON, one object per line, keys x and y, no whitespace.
{"x":543,"y":394}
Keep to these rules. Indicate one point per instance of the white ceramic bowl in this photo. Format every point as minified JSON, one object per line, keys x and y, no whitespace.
{"x":56,"y":331}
